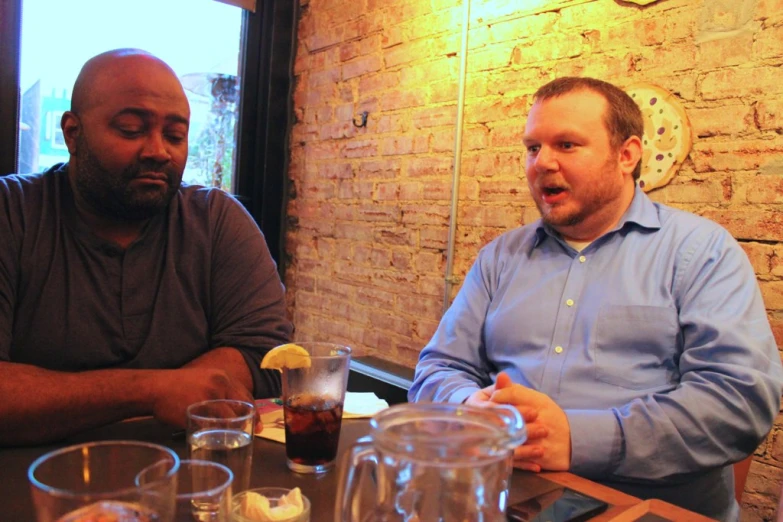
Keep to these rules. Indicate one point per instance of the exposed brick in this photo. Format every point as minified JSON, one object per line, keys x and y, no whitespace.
{"x":379,"y":82}
{"x":404,"y":145}
{"x":421,"y":307}
{"x":742,"y":82}
{"x":714,"y":189}
{"x":388,"y":123}
{"x":510,"y":30}
{"x":432,"y":285}
{"x":362,"y":65}
{"x":547,"y":48}
{"x":443,"y":140}
{"x":434,"y":116}
{"x":411,"y":191}
{"x":444,"y":91}
{"x":736,"y":155}
{"x":407,"y":52}
{"x":754,"y":225}
{"x":428,"y":262}
{"x":506,"y":217}
{"x":365,"y":254}
{"x":769,"y":115}
{"x":720,"y":121}
{"x":494,"y":57}
{"x":375,"y":298}
{"x":768,"y":9}
{"x":425,"y":214}
{"x":507,"y":135}
{"x":382,"y":213}
{"x":434,"y":237}
{"x":393,"y":235}
{"x":435,"y":166}
{"x":359,"y":149}
{"x":496,"y":109}
{"x":388,"y":168}
{"x":766,"y":189}
{"x":335,"y":131}
{"x":512,"y":190}
{"x":369,"y":209}
{"x":387,"y":191}
{"x":722,"y":52}
{"x":438,"y":190}
{"x":395,"y":100}
{"x":760,"y":256}
{"x":401,"y":259}
{"x":355,"y":189}
{"x":504,"y":164}
{"x":425,"y":329}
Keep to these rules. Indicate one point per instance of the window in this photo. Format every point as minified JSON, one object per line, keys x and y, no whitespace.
{"x":261,"y":45}
{"x":202,"y":46}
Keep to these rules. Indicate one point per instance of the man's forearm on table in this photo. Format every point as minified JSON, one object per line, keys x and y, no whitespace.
{"x":43,"y":405}
{"x":228,"y":359}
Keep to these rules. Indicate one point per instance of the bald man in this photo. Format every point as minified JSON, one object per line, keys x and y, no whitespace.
{"x":123,"y":292}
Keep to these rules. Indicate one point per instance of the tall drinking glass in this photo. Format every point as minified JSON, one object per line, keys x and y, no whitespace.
{"x":97,"y":481}
{"x":222,"y":431}
{"x":203,"y":491}
{"x":313,"y":407}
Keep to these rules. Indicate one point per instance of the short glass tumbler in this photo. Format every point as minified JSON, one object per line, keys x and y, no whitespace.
{"x":98,"y":479}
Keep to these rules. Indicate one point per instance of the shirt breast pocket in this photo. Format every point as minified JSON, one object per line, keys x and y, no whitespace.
{"x":636,"y":347}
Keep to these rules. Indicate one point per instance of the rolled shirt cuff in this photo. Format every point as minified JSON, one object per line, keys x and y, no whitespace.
{"x":596,"y":442}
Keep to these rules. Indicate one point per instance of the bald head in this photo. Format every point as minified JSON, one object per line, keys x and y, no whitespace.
{"x":127,"y":134}
{"x":107,"y":72}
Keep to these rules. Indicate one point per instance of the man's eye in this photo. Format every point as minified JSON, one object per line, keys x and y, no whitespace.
{"x":175,"y":138}
{"x":532,"y":149}
{"x":130,"y":132}
{"x":567,"y":145}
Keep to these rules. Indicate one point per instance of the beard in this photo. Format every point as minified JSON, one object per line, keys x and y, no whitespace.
{"x":599,"y":195}
{"x":110,"y":194}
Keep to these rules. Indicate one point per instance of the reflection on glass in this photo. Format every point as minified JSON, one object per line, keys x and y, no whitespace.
{"x":199,"y":39}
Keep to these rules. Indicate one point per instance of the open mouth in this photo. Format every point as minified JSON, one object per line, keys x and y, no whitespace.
{"x":553,"y":191}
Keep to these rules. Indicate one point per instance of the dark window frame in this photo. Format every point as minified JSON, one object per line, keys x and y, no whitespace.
{"x":265,"y":113}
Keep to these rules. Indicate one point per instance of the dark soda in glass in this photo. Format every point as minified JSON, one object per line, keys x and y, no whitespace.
{"x":312,"y":429}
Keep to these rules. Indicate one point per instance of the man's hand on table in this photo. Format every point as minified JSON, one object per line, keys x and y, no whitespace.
{"x":175,"y":390}
{"x":548,"y":444}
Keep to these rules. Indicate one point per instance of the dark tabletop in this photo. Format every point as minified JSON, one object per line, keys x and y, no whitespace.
{"x":269,"y":467}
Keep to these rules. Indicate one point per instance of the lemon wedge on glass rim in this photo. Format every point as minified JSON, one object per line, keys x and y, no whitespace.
{"x":289,"y":356}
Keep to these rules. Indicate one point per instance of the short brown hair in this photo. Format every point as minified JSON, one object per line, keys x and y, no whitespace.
{"x":623,"y":118}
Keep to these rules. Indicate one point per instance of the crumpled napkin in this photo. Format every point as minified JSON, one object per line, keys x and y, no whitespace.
{"x":357,"y":405}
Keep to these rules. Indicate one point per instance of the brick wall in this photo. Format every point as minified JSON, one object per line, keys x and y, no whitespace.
{"x":369,"y":207}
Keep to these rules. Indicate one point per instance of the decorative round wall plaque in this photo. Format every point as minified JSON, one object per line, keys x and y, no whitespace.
{"x":667,"y":134}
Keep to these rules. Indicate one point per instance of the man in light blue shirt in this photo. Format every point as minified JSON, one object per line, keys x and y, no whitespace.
{"x":631,"y":336}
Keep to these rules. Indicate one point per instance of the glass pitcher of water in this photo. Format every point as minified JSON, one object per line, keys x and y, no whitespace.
{"x":431,"y":462}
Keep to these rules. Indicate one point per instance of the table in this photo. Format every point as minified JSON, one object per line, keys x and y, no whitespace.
{"x":269,"y":469}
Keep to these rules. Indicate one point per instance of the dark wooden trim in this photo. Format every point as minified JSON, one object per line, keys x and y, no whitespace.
{"x":10,"y":43}
{"x":265,"y":118}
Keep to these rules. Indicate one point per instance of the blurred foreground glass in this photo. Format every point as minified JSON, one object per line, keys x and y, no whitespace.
{"x":273,"y":495}
{"x":222,"y":431}
{"x":203,"y":491}
{"x":85,"y":481}
{"x":445,"y":462}
{"x":313,"y":407}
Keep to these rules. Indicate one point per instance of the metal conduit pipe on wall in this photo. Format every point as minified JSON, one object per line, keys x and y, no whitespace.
{"x":449,"y":278}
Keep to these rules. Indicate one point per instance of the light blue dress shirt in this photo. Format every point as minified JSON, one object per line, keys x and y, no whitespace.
{"x":654,"y":340}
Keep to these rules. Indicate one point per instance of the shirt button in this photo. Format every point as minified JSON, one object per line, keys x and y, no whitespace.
{"x":558,"y":349}
{"x":582,"y":259}
{"x":570,"y":302}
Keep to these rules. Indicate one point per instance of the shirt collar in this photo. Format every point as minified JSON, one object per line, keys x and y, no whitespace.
{"x":641,"y":213}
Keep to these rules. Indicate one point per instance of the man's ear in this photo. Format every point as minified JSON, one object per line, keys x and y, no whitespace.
{"x":71,"y":126}
{"x":630,"y":155}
